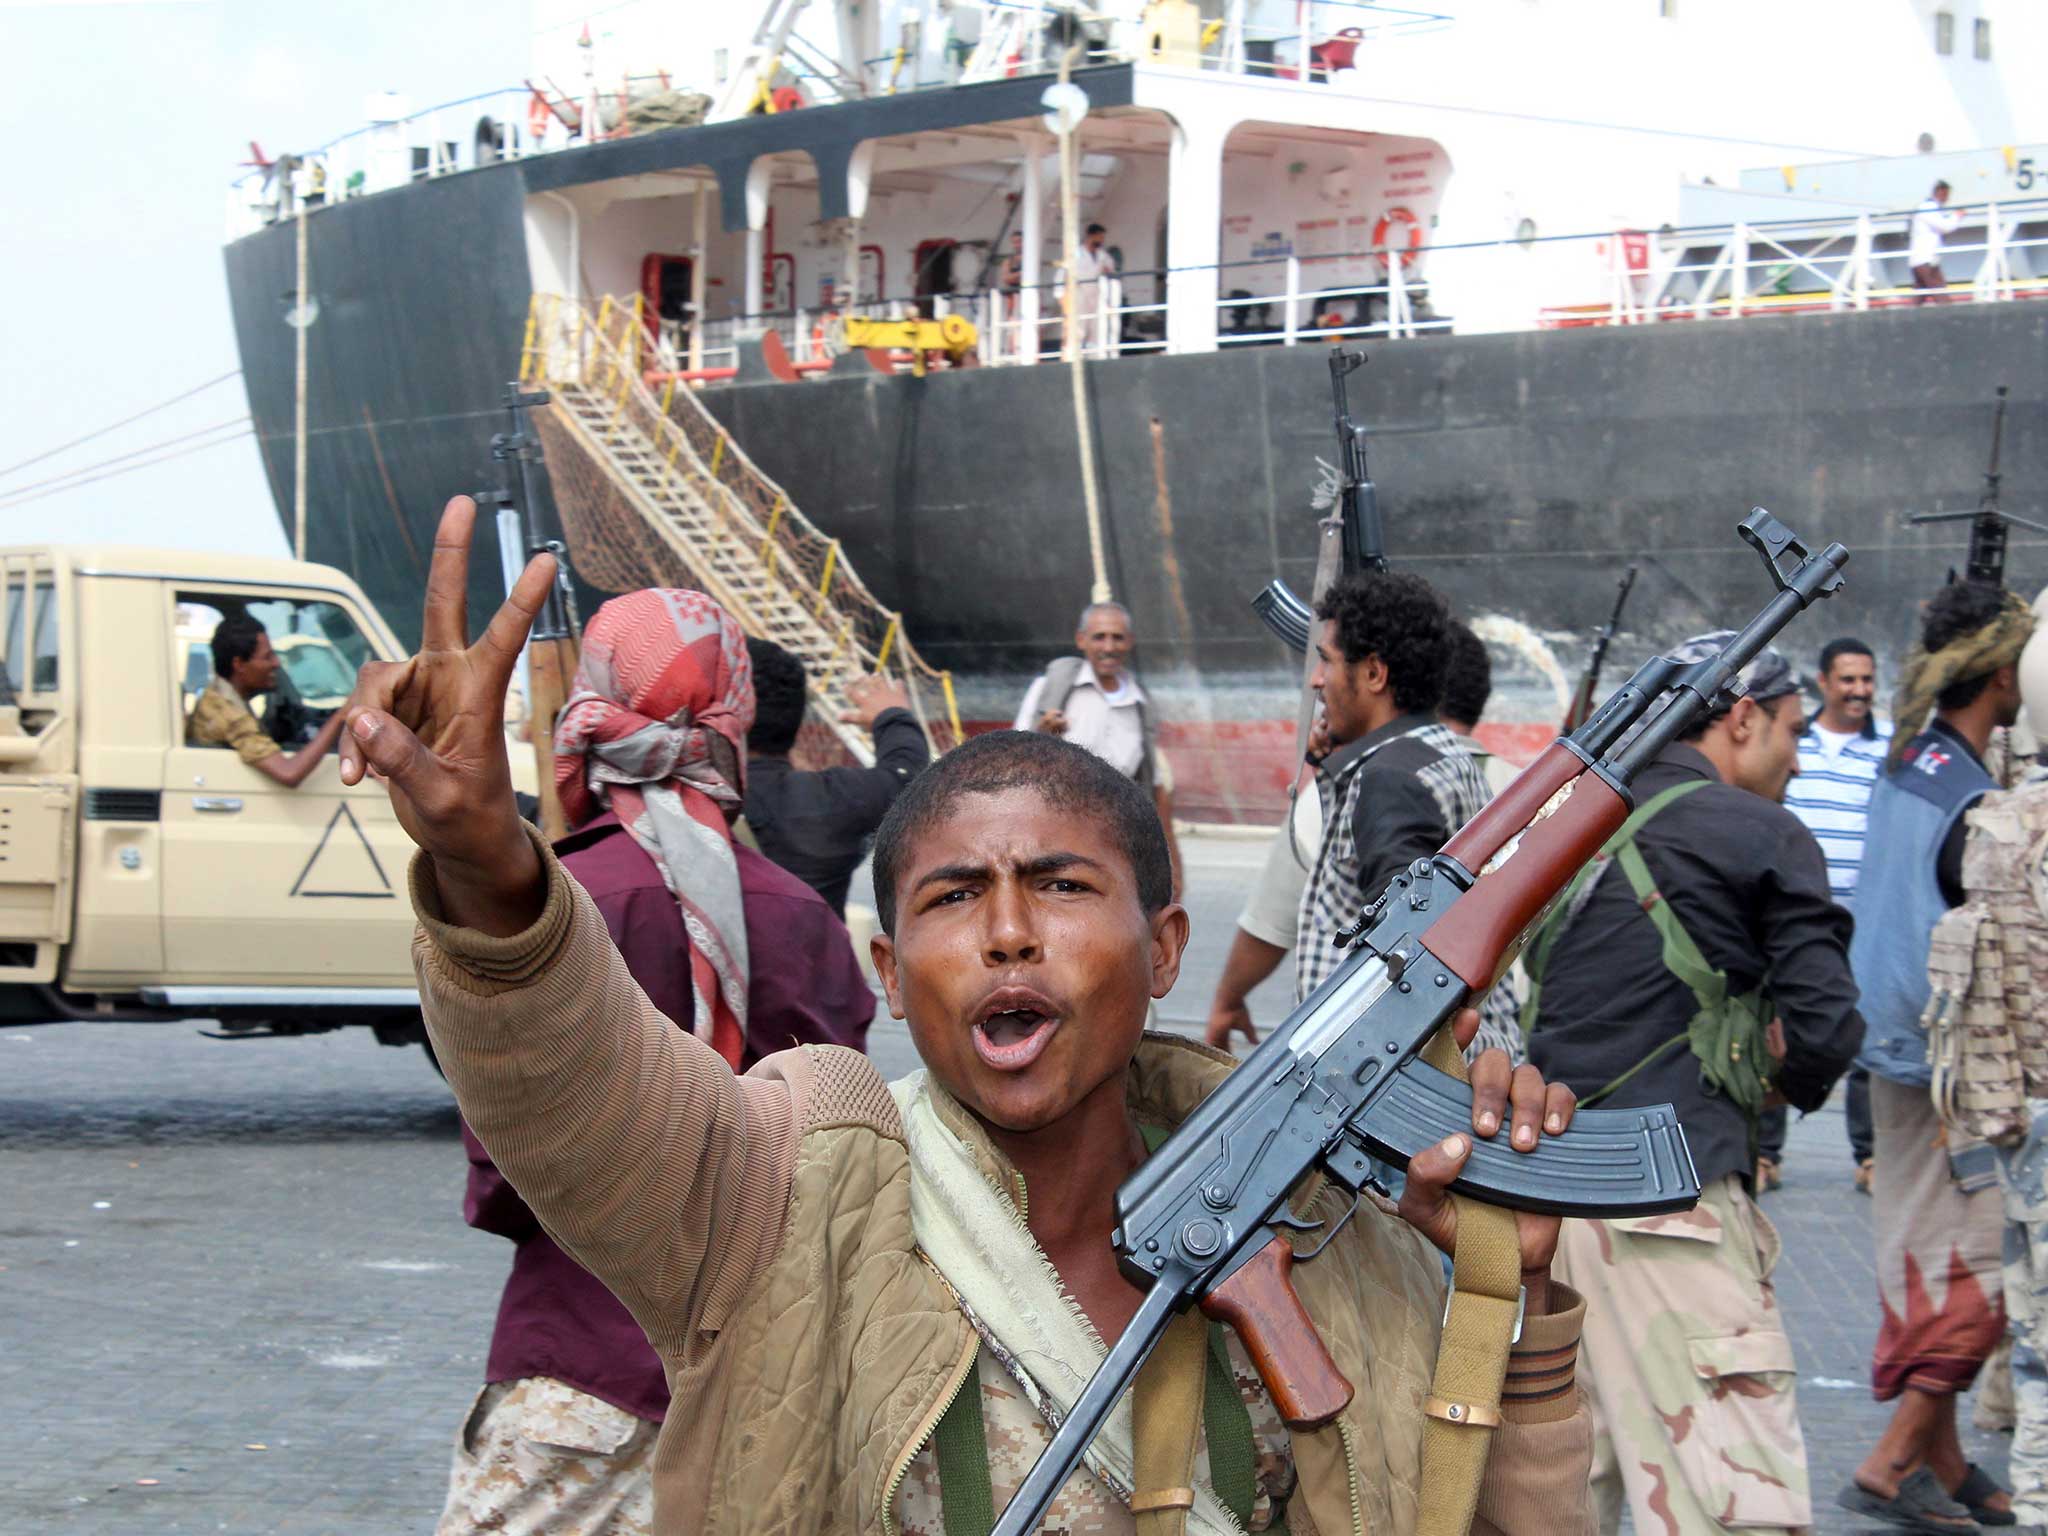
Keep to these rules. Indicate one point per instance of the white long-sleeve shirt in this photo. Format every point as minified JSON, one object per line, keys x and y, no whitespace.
{"x":1107,"y":724}
{"x":1930,"y":222}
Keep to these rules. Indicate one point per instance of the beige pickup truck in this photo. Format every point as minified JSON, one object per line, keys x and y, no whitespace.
{"x":142,"y":877}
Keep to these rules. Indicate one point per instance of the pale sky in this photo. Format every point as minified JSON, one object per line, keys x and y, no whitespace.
{"x":124,"y":123}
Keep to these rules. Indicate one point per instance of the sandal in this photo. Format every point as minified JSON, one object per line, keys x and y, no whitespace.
{"x":1919,"y":1505}
{"x":1975,"y":1493}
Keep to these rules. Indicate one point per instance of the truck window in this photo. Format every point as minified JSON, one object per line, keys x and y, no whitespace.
{"x":319,"y":649}
{"x":46,"y":638}
{"x":17,"y":621}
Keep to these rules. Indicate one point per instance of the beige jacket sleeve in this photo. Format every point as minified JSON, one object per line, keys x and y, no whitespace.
{"x":1538,"y":1479}
{"x":642,"y":1154}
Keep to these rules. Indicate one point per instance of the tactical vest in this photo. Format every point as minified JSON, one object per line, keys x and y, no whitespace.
{"x":1987,"y":967}
{"x":1727,"y":1033}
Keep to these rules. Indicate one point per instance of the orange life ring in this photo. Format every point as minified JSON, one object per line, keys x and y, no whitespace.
{"x":1386,"y":225}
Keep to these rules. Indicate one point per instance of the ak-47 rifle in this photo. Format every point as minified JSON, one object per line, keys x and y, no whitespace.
{"x":1338,"y":1084}
{"x":1352,"y":538}
{"x":1988,"y":524}
{"x":553,"y":646}
{"x":1589,"y":683}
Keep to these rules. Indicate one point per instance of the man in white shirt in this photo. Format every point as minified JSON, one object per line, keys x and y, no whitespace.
{"x":1841,"y":758}
{"x":1931,"y":221}
{"x":1093,"y":701}
{"x":1095,"y":273}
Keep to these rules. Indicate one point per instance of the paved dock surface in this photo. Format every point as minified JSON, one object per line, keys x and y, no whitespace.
{"x":239,"y":1297}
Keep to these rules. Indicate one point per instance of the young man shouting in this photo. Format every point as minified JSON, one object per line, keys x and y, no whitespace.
{"x":848,"y":1280}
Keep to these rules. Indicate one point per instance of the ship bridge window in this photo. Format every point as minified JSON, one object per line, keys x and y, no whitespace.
{"x":1667,"y":8}
{"x":1982,"y":34}
{"x":1944,"y":31}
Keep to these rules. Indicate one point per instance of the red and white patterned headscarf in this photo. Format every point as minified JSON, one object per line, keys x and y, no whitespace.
{"x":664,"y":673}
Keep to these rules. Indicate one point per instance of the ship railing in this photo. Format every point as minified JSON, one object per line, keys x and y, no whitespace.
{"x":1803,"y":266}
{"x":1856,"y":262}
{"x":607,"y":353}
{"x":460,"y":135}
{"x":1014,"y":40}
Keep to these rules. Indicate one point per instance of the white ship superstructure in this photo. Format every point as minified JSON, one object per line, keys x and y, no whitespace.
{"x":684,"y":195}
{"x":1277,"y":167}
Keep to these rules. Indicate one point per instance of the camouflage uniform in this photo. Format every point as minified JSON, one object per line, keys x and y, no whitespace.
{"x":1988,"y":974}
{"x":1688,"y":1369}
{"x":1086,"y":1506}
{"x":2023,"y":1170}
{"x":536,"y":1457}
{"x":222,"y":718}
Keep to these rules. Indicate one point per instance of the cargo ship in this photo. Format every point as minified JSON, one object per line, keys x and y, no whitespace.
{"x":904,"y":327}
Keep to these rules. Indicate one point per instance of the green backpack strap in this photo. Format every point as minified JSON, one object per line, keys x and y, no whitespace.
{"x":960,"y":1443}
{"x":1537,"y":960}
{"x":1682,"y":957}
{"x":1727,"y":1035}
{"x":1227,"y":1426}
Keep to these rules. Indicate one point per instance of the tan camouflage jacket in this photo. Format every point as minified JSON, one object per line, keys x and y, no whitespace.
{"x":1987,"y":970}
{"x":759,"y":1229}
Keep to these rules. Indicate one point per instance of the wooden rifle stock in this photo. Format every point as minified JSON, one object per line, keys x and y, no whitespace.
{"x":1483,"y":925}
{"x":1508,"y":812}
{"x":550,"y":665}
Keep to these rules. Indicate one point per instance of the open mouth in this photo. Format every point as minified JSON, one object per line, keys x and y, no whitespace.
{"x":1014,"y":1028}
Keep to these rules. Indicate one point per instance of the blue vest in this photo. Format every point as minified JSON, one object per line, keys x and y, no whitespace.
{"x":1899,"y":900}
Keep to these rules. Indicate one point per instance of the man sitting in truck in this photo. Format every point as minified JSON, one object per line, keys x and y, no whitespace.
{"x":244,"y":665}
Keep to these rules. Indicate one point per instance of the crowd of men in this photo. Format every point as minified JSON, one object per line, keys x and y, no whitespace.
{"x":746,"y":1279}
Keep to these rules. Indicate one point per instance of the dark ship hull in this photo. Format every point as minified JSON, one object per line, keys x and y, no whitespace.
{"x":1519,"y":472}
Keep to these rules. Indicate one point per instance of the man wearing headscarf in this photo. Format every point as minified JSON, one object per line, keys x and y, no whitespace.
{"x":1937,"y":1215}
{"x":1703,"y":920}
{"x":650,"y":754}
{"x":1988,"y":969}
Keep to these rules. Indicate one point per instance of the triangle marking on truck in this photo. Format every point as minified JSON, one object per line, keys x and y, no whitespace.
{"x":356,"y":882}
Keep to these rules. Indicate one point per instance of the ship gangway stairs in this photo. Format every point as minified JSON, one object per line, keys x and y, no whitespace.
{"x":653,"y":491}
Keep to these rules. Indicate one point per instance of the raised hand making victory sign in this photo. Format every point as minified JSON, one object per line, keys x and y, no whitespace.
{"x":433,"y":729}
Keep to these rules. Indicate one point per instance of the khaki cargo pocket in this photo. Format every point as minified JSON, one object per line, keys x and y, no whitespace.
{"x":554,"y":1416}
{"x":1742,"y":1454}
{"x":480,"y":1408}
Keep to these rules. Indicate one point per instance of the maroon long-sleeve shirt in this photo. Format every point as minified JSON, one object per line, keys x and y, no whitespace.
{"x":804,"y":987}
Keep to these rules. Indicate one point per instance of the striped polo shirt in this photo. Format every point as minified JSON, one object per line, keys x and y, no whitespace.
{"x":1831,"y":795}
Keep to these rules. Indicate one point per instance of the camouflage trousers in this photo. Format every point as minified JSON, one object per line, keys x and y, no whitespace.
{"x":1687,"y":1369}
{"x":537,"y":1456}
{"x":2023,"y":1173}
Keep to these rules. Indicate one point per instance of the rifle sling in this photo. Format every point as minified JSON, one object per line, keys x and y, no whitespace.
{"x":1472,"y":1355}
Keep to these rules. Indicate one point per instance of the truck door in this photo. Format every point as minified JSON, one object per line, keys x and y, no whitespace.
{"x":265,"y":885}
{"x":38,"y":784}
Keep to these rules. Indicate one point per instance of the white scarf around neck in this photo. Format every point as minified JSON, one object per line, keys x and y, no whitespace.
{"x":1011,"y":1293}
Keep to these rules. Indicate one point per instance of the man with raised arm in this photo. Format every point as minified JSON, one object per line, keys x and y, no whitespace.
{"x":817,"y":824}
{"x":854,"y":1284}
{"x":650,"y":742}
